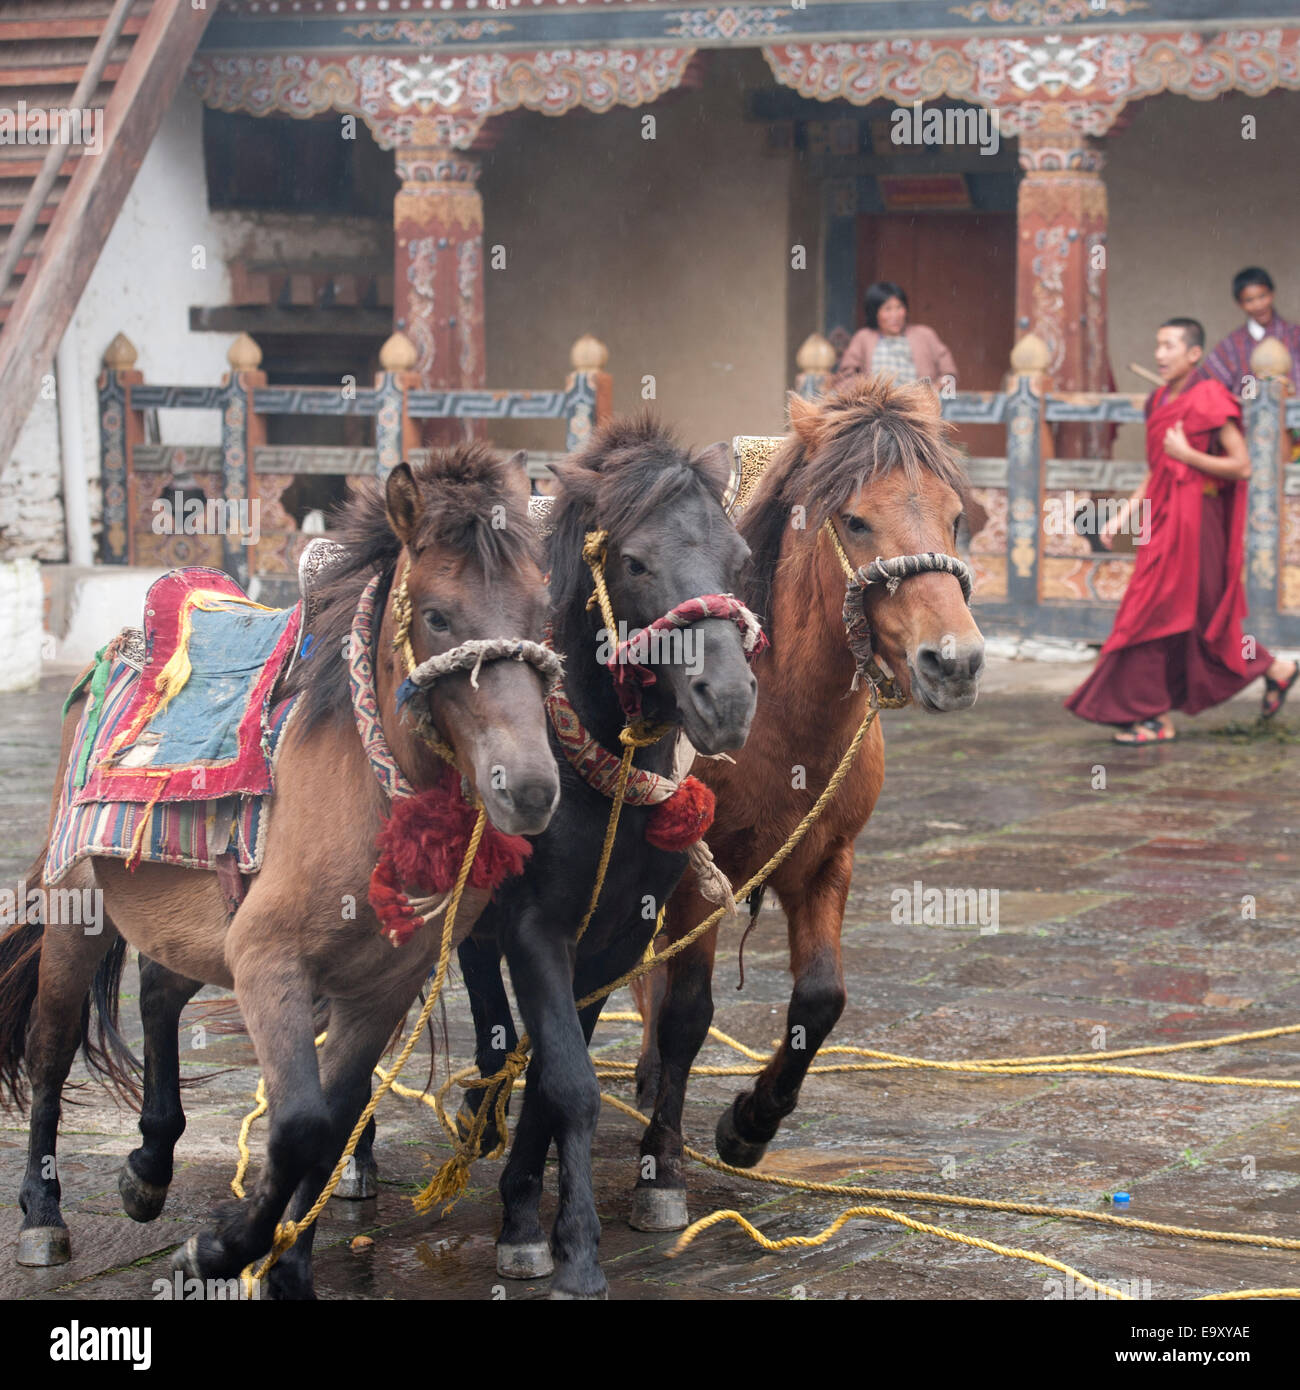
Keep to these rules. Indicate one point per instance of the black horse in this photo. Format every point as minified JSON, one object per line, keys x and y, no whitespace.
{"x":669,"y":540}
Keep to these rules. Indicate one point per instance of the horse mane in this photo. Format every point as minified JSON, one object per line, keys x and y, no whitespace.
{"x":460,"y":488}
{"x":630,"y":468}
{"x":865,"y":429}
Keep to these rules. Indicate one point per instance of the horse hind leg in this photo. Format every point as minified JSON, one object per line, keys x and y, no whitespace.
{"x":147,"y":1173}
{"x":68,"y":960}
{"x":749,"y":1124}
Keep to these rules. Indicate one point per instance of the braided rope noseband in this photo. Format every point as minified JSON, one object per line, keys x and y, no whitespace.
{"x":891,"y":574}
{"x":468,"y":656}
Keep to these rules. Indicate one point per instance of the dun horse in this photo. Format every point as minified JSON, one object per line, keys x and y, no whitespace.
{"x":469,"y":580}
{"x":867,"y":467}
{"x":668,"y":544}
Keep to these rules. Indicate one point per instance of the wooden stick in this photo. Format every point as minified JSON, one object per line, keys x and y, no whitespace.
{"x":1146,"y":374}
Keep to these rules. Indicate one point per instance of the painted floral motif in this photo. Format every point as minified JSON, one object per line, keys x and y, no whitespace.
{"x":1044,"y":12}
{"x":1107,"y":68}
{"x":393,"y":95}
{"x":731,"y":22}
{"x":421,"y":276}
{"x":469,"y":312}
{"x":424,"y":33}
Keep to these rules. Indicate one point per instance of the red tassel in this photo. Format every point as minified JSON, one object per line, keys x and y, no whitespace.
{"x":685,"y":817}
{"x":422,"y":844}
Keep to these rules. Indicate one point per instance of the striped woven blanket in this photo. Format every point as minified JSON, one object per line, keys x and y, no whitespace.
{"x":192,"y":834}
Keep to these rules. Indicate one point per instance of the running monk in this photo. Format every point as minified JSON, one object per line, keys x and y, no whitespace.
{"x":1177,"y":641}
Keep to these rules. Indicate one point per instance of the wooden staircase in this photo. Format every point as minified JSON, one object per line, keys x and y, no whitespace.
{"x":124,"y":58}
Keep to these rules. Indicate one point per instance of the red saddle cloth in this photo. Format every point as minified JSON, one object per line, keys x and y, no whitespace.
{"x":198,"y":725}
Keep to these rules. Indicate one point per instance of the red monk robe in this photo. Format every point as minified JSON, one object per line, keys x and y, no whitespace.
{"x":1177,"y":641}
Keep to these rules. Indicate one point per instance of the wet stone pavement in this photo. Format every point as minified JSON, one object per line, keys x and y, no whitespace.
{"x":1122,"y":920}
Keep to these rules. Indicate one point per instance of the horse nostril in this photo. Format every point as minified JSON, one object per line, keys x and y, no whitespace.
{"x":932,"y":663}
{"x":534,"y":796}
{"x":964,"y":663}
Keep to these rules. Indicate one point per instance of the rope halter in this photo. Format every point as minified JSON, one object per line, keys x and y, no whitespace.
{"x":468,"y":656}
{"x":626,"y":663}
{"x":891,"y":574}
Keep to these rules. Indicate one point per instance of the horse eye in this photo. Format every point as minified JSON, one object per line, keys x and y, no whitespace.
{"x":437,"y":622}
{"x":634,"y":566}
{"x":856,"y":525}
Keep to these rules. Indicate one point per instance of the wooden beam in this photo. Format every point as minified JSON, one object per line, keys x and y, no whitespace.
{"x":90,"y":205}
{"x":258,"y":320}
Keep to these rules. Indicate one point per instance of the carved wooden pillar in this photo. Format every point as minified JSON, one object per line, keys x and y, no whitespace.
{"x":1061,"y":270}
{"x":438,"y":271}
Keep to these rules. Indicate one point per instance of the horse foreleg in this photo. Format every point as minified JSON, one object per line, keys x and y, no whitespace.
{"x":816,"y":918}
{"x":147,"y":1173}
{"x":69,"y":958}
{"x":562,"y":1097}
{"x":357,"y":1036}
{"x":659,"y":1199}
{"x":275,"y":997}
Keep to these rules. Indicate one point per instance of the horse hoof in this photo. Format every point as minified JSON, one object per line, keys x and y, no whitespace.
{"x":732,"y":1147}
{"x":359,"y":1185}
{"x":594,"y":1296}
{"x":141,"y":1200}
{"x":186,"y":1258}
{"x":39,"y":1247}
{"x":658,"y":1209}
{"x":530,"y":1261}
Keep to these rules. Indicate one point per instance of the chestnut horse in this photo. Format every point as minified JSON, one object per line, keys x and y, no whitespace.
{"x":305,"y":930}
{"x":869,"y":464}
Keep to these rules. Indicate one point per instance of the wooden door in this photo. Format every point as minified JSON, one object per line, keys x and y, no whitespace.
{"x":959,"y":272}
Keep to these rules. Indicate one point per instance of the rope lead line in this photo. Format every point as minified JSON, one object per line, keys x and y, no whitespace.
{"x":287,"y":1232}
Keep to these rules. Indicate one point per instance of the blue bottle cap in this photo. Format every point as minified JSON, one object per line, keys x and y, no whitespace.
{"x":1121,"y":1199}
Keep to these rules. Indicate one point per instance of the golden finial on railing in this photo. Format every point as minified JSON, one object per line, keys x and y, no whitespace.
{"x":120,"y":355}
{"x":244,"y":354}
{"x":815,"y":354}
{"x":1030,"y":356}
{"x":398,"y":354}
{"x":588,"y":354}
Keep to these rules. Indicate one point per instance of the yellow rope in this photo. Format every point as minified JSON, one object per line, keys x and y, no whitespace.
{"x":884,"y":1214}
{"x":287,"y":1232}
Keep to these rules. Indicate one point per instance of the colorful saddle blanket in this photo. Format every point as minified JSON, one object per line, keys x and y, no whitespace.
{"x":175,"y":751}
{"x":195,"y":728}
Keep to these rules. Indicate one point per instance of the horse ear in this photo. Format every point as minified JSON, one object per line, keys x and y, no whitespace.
{"x":578,"y":482}
{"x":976,"y":515}
{"x":805,"y":420}
{"x":519,"y":460}
{"x":402,"y":502}
{"x":715,"y":462}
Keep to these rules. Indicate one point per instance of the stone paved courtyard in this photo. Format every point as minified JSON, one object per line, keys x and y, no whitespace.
{"x":1119,"y":909}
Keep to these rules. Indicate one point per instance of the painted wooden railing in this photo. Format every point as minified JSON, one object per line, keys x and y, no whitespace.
{"x":243,"y":468}
{"x":1036,"y":577}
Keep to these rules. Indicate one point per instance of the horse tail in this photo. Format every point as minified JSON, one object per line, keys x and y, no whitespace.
{"x":105,"y":1050}
{"x":20,"y":970}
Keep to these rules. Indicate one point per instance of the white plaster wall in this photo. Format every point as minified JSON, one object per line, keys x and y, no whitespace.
{"x":166,"y":252}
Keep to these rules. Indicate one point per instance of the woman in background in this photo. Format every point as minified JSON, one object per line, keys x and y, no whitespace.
{"x":890,"y":345}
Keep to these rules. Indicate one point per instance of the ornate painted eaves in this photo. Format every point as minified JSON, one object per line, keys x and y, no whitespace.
{"x":436,"y":99}
{"x":1092,"y":75}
